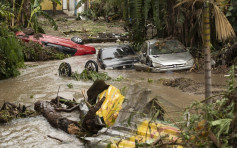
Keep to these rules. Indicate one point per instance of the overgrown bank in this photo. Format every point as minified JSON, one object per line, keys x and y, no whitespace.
{"x":14,"y":52}
{"x":11,"y":53}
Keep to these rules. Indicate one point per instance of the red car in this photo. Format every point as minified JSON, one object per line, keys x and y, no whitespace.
{"x":73,"y":47}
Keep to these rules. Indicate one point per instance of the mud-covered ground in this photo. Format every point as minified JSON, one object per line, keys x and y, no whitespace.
{"x":192,"y":86}
{"x":69,"y":27}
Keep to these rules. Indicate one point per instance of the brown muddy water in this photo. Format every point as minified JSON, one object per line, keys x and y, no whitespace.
{"x":40,"y":81}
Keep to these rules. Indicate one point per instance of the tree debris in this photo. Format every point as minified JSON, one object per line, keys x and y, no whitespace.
{"x":10,"y":111}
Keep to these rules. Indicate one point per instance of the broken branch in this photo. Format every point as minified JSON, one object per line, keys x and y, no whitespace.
{"x":55,"y":138}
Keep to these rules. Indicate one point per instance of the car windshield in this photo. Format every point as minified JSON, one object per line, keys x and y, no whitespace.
{"x":166,"y":47}
{"x":116,"y":52}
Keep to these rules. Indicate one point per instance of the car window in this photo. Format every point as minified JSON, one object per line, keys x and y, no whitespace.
{"x":166,"y":47}
{"x":117,"y":52}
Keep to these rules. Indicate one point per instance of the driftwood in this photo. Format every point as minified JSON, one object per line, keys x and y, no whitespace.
{"x":67,"y":110}
{"x":89,"y":124}
{"x":55,"y":119}
{"x":68,"y":103}
{"x":55,"y":138}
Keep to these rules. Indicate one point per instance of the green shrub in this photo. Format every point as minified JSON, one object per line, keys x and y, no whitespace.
{"x":91,"y":75}
{"x":11,"y":56}
{"x":35,"y":52}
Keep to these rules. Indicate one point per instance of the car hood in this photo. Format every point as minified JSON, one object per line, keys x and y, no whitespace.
{"x":117,"y":62}
{"x":169,"y":59}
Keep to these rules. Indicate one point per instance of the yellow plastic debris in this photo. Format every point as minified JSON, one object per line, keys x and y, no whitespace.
{"x":111,"y":106}
{"x":149,"y":132}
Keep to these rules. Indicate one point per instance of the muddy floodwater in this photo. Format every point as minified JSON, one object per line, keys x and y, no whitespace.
{"x":40,"y":81}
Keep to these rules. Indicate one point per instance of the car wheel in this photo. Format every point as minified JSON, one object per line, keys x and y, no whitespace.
{"x":91,"y":66}
{"x":150,"y":64}
{"x":65,"y":69}
{"x":129,"y":66}
{"x":119,"y":68}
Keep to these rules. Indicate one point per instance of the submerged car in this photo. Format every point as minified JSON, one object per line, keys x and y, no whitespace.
{"x":117,"y":57}
{"x":72,"y":47}
{"x":164,"y":55}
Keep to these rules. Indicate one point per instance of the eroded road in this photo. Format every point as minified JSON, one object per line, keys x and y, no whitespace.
{"x":40,"y":81}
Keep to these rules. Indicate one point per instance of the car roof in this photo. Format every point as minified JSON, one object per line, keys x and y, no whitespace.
{"x":115,"y":47}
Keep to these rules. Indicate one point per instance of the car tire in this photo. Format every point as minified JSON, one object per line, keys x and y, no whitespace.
{"x":150,"y":64}
{"x":129,"y":66}
{"x":91,"y":66}
{"x":65,"y":69}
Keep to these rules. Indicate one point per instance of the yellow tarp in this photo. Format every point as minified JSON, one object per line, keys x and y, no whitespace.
{"x":149,"y":132}
{"x":111,"y":106}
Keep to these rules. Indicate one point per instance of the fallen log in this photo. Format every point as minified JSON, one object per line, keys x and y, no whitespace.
{"x":88,"y":126}
{"x":55,"y":119}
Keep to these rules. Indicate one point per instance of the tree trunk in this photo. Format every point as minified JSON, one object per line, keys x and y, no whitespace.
{"x":19,"y":13}
{"x":207,"y":53}
{"x":13,"y":9}
{"x":55,"y":119}
{"x":54,"y":8}
{"x":89,"y":125}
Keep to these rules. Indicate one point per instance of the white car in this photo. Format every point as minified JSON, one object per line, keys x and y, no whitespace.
{"x":164,"y":55}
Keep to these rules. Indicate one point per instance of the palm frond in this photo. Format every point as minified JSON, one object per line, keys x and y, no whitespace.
{"x":156,"y":13}
{"x":224,"y":29}
{"x":5,"y":12}
{"x":50,"y":19}
{"x":181,"y":2}
{"x":147,"y":7}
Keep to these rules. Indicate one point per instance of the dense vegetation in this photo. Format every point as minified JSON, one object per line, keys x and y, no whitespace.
{"x":13,"y":16}
{"x":11,"y":55}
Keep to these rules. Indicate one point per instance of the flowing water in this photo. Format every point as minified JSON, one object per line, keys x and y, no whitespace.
{"x":40,"y":81}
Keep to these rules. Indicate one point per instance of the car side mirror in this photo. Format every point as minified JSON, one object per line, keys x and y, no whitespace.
{"x":77,"y":40}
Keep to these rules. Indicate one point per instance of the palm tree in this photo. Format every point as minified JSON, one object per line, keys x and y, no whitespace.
{"x":35,"y":12}
{"x":5,"y":12}
{"x":224,"y":31}
{"x":55,"y":3}
{"x":207,"y":52}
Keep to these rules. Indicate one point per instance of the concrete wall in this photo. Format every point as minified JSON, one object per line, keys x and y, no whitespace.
{"x":47,"y":5}
{"x":71,"y":5}
{"x":65,"y":4}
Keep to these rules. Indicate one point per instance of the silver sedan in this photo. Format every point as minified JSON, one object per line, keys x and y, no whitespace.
{"x":166,"y":55}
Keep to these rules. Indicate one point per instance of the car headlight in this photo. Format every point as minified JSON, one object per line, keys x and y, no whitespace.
{"x":190,"y":62}
{"x":157,"y":65}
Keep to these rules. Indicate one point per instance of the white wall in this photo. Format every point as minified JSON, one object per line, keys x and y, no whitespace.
{"x":64,"y":4}
{"x":71,"y":5}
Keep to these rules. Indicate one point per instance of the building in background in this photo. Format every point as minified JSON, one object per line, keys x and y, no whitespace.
{"x":67,"y":6}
